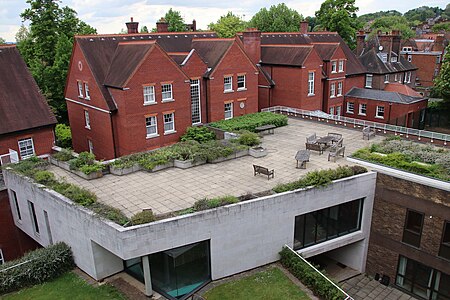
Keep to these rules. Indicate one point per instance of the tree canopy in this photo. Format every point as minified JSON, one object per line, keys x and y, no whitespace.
{"x":442,"y":82}
{"x":228,"y":25}
{"x":176,"y":22}
{"x":373,"y":16}
{"x":278,"y":18}
{"x":47,"y":45}
{"x":340,"y":16}
{"x":422,"y":13}
{"x":389,"y":23}
{"x":441,"y":27}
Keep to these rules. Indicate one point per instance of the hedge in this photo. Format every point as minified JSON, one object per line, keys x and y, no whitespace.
{"x":63,"y":136}
{"x":43,"y":265}
{"x":251,"y":121}
{"x":309,"y":277}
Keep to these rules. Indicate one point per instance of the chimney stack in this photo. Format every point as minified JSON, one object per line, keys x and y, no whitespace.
{"x":194,"y":25}
{"x":304,"y":27}
{"x":439,"y":43}
{"x":360,"y":42}
{"x":132,"y":26}
{"x":396,"y":42}
{"x":252,"y":44}
{"x":162,"y":25}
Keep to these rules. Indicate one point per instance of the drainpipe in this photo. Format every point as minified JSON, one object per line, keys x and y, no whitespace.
{"x":207,"y":100}
{"x":112,"y":132}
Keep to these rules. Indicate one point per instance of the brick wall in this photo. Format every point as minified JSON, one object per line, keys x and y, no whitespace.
{"x":427,"y":65}
{"x":43,"y":140}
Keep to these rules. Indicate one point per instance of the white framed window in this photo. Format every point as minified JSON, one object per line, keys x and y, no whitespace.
{"x":167,"y":92}
{"x":410,"y":58}
{"x":90,"y":146}
{"x":393,"y":58}
{"x":338,"y":110}
{"x":228,"y":108}
{"x":350,"y":107}
{"x":395,"y":77}
{"x":341,"y":65}
{"x":87,"y":120}
{"x":362,"y":109}
{"x":386,"y":78}
{"x":400,"y":78}
{"x":408,"y":77}
{"x":340,"y":88}
{"x":86,"y":91}
{"x":241,"y":82}
{"x":333,"y":90}
{"x":151,"y":125}
{"x":333,"y":66}
{"x":332,"y":110}
{"x":310,"y":83}
{"x":228,"y":84}
{"x":438,"y":59}
{"x":383,"y":57}
{"x":26,"y":148}
{"x":169,"y":123}
{"x":380,"y":112}
{"x":369,"y":78}
{"x":80,"y":89}
{"x":196,"y":115}
{"x":149,"y":94}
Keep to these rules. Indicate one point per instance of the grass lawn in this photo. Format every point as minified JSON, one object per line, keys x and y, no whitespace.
{"x":271,"y":284}
{"x":69,"y":286}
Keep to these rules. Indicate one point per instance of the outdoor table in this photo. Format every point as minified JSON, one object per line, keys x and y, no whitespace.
{"x":325,"y":140}
{"x":302,"y":156}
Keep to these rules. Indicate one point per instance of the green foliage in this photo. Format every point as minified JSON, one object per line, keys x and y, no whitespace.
{"x":63,"y":155}
{"x":228,"y":25}
{"x":216,"y":149}
{"x":85,"y":162}
{"x":373,"y":16}
{"x":176,"y":22}
{"x":442,"y":82}
{"x":75,"y":193}
{"x":340,"y":16}
{"x":2,"y":40}
{"x":441,"y":27}
{"x":422,"y":13}
{"x":199,"y":134}
{"x":38,"y":266}
{"x":109,"y":212}
{"x":251,"y":121}
{"x":127,"y":161}
{"x":144,"y":29}
{"x":44,"y":177}
{"x":320,"y":178}
{"x":308,"y":276}
{"x":155,"y":158}
{"x":145,"y":216}
{"x":389,"y":23}
{"x":278,"y":18}
{"x":28,"y":167}
{"x":205,"y":203}
{"x":248,"y":138}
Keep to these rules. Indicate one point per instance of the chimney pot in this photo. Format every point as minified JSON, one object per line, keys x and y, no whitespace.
{"x":132,"y":26}
{"x":162,"y":25}
{"x":251,"y":38}
{"x":303,"y":27}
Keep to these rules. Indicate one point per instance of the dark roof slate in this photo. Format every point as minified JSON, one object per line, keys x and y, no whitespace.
{"x":22,"y":106}
{"x":380,"y":95}
{"x":288,"y":55}
{"x":375,"y":65}
{"x":211,"y":51}
{"x":326,"y":51}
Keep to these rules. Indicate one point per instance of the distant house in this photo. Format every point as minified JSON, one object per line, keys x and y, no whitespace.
{"x":26,"y":129}
{"x":135,"y":92}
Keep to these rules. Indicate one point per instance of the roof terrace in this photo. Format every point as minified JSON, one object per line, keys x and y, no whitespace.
{"x":175,"y":189}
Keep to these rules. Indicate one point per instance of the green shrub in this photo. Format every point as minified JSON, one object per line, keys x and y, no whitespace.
{"x":251,"y":121}
{"x":145,"y":216}
{"x":319,"y":285}
{"x":44,"y":177}
{"x":88,"y":169}
{"x":85,"y":162}
{"x":127,"y":161}
{"x":248,"y":138}
{"x":43,"y":265}
{"x":216,"y":149}
{"x":63,"y":155}
{"x":75,"y":193}
{"x":201,"y":204}
{"x":205,"y":203}
{"x":28,"y":167}
{"x":63,"y":136}
{"x":186,"y":211}
{"x":199,"y":134}
{"x":109,"y":212}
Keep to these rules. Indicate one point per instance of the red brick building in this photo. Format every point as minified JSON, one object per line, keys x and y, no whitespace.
{"x":26,"y":129}
{"x":136,"y":92}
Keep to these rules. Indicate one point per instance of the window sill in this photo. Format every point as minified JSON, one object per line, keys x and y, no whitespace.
{"x":241,"y":89}
{"x":378,"y":117}
{"x":360,"y":114}
{"x":151,"y":136}
{"x":341,"y":71}
{"x":349,"y":112}
{"x":150,"y":103}
{"x":228,"y":91}
{"x":87,"y":98}
{"x":170,"y":132}
{"x":368,"y":87}
{"x":339,"y":95}
{"x":310,"y":95}
{"x":228,"y":118}
{"x":332,"y":97}
{"x":333,"y":72}
{"x":87,"y":127}
{"x":80,"y":97}
{"x":167,"y":100}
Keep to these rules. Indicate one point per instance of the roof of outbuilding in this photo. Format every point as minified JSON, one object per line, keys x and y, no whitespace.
{"x":22,"y":106}
{"x":380,"y":95}
{"x":288,"y":55}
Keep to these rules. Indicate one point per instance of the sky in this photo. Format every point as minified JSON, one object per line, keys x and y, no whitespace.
{"x":109,"y":16}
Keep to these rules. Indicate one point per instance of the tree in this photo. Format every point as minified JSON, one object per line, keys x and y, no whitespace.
{"x":441,"y":27}
{"x":446,"y":13}
{"x":340,"y":16}
{"x":228,"y":25}
{"x":387,"y":24}
{"x":373,"y":16}
{"x":279,"y":18}
{"x":442,"y":82}
{"x":422,"y":13}
{"x":144,"y":29}
{"x":47,"y":45}
{"x":2,"y":40}
{"x":176,"y":22}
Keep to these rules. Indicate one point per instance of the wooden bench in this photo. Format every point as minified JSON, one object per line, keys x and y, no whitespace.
{"x":367,"y":132}
{"x":336,"y":136}
{"x":336,"y":151}
{"x":262,"y":170}
{"x":269,"y":128}
{"x":315,"y":147}
{"x":312,"y":139}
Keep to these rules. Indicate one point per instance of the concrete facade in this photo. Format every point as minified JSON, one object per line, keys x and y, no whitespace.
{"x":253,"y":230}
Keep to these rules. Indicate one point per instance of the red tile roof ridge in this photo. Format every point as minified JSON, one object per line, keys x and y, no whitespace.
{"x":325,"y":43}
{"x":143,"y":34}
{"x":7,"y":45}
{"x":213,"y":39}
{"x":137,"y":42}
{"x":289,"y":45}
{"x":299,"y":33}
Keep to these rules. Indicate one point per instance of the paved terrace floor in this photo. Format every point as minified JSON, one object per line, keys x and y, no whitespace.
{"x":176,"y":189}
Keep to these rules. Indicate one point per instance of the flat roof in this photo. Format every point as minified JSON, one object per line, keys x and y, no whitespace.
{"x":175,"y":189}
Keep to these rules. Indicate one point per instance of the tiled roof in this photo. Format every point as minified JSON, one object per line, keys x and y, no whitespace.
{"x":211,"y":50}
{"x":22,"y":106}
{"x":375,"y":65}
{"x":288,"y":55}
{"x":380,"y":95}
{"x":326,"y":51}
{"x":402,"y":89}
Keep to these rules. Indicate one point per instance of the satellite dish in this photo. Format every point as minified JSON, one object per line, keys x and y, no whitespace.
{"x":380,"y":48}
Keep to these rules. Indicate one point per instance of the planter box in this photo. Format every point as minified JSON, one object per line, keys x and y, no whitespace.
{"x":221,"y":159}
{"x":185,"y":164}
{"x":93,"y":175}
{"x":62,"y":164}
{"x":124,"y":171}
{"x":161,"y":167}
{"x":241,"y":153}
{"x":257,"y":152}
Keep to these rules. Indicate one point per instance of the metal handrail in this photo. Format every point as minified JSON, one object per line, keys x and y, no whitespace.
{"x":357,"y":122}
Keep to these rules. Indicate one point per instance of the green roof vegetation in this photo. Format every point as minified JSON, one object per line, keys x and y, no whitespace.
{"x":251,"y":121}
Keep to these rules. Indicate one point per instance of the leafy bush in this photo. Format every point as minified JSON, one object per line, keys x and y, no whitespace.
{"x":43,"y":265}
{"x":63,"y":136}
{"x":248,"y":138}
{"x":28,"y":167}
{"x":88,"y":169}
{"x":251,"y":121}
{"x":215,"y":149}
{"x":320,"y":286}
{"x":127,"y":161}
{"x":85,"y":162}
{"x":63,"y":155}
{"x":189,"y":150}
{"x":109,"y":212}
{"x":320,"y":178}
{"x":75,"y":193}
{"x":199,"y":134}
{"x":205,"y":203}
{"x":145,"y":216}
{"x":44,"y":177}
{"x":155,"y":158}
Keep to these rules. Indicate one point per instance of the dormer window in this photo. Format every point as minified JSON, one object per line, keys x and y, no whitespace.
{"x":333,"y":66}
{"x":394,"y":59}
{"x":341,"y":66}
{"x":383,"y":57}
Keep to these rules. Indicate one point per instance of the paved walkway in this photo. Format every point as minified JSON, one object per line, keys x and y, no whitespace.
{"x":362,"y":287}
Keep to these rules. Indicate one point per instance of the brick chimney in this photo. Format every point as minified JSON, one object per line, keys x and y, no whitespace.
{"x":132,"y":26}
{"x":396,"y":42}
{"x":252,"y":44}
{"x":439,"y":43}
{"x":360,"y":42}
{"x":304,"y":27}
{"x":162,"y":25}
{"x":194,"y":25}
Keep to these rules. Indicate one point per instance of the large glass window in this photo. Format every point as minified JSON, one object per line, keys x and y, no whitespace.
{"x":228,"y":84}
{"x":326,"y":224}
{"x":310,"y":83}
{"x":195,"y":101}
{"x":149,"y":94}
{"x":444,"y":250}
{"x":169,"y":123}
{"x":26,"y":148}
{"x":151,"y":126}
{"x":412,"y":230}
{"x":167,"y":92}
{"x":369,"y":78}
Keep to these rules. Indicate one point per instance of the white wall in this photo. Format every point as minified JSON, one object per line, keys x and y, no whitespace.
{"x":242,"y":236}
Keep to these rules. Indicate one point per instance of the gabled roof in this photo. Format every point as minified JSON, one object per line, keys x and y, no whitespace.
{"x":371,"y":94}
{"x":266,"y":75}
{"x":326,"y":50}
{"x":287,"y":55}
{"x":211,"y":50}
{"x":22,"y":106}
{"x":127,"y":58}
{"x":401,"y":89}
{"x":375,"y":65}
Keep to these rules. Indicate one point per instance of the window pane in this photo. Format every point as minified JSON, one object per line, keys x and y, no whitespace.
{"x":299,"y":231}
{"x":413,"y":228}
{"x":444,"y":250}
{"x":26,"y":148}
{"x":310,"y":229}
{"x":166,"y":92}
{"x":195,"y":101}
